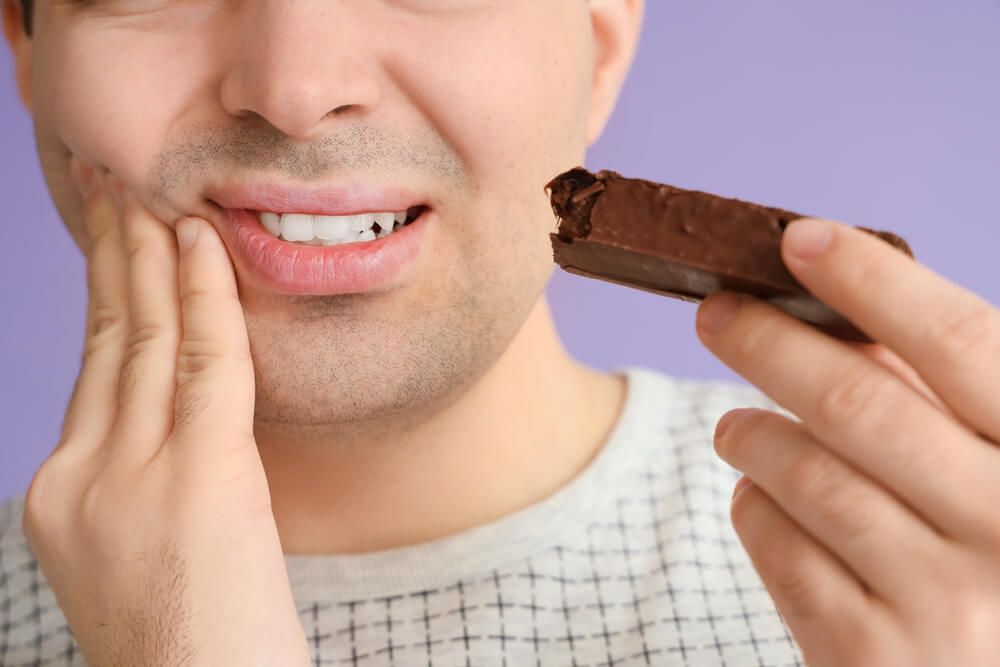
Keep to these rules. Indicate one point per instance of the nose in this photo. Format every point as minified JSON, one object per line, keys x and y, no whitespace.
{"x":299,"y":64}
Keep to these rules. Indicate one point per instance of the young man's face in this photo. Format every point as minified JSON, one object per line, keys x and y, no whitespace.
{"x":467,"y":106}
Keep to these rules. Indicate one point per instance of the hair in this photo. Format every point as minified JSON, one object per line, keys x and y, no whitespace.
{"x":27,"y":7}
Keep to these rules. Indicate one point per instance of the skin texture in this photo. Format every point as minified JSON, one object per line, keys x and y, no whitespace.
{"x":360,"y":397}
{"x":323,"y":424}
{"x":354,"y":423}
{"x":159,"y":428}
{"x":871,"y":514}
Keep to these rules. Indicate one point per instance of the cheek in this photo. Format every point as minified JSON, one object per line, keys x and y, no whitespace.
{"x":505,"y":93}
{"x":112,"y":111}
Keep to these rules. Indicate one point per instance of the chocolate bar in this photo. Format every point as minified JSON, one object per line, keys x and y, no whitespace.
{"x":682,"y":243}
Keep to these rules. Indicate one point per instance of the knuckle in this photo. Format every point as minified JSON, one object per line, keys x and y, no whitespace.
{"x":195,"y":356}
{"x":145,"y":335}
{"x":851,"y":394}
{"x":189,"y":405}
{"x":756,"y":341}
{"x":971,"y":328}
{"x":780,"y":561}
{"x":845,"y":507}
{"x":852,"y":514}
{"x":106,"y":321}
{"x":139,"y":250}
{"x":41,"y":503}
{"x":143,"y":339}
{"x":811,"y":474}
{"x":197,"y":297}
{"x":797,"y":591}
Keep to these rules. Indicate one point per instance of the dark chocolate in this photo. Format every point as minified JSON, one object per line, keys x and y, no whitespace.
{"x":682,"y":243}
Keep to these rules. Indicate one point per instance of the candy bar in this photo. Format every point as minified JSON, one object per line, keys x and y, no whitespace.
{"x":682,"y":243}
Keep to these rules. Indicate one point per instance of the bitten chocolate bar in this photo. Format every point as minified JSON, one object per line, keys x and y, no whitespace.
{"x":682,"y":243}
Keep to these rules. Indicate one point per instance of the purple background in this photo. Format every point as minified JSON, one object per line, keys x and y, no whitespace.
{"x":882,"y":113}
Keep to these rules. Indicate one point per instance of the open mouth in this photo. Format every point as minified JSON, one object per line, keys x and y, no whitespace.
{"x":268,"y":246}
{"x":331,"y":230}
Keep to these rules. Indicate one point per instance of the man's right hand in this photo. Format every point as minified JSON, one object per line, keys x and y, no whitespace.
{"x":152,"y":518}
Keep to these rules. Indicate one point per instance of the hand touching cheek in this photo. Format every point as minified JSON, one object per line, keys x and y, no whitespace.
{"x":151,"y":519}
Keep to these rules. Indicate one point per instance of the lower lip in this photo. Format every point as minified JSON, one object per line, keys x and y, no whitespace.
{"x":293,"y":268}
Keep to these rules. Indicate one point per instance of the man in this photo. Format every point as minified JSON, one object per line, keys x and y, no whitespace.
{"x":341,"y":446}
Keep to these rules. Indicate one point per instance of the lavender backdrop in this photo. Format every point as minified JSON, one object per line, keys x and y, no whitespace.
{"x":883,"y":113}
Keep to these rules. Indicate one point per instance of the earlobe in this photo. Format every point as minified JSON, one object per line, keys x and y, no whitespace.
{"x":616,"y":25}
{"x":20,"y":46}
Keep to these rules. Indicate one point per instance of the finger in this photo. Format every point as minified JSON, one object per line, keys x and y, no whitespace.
{"x":826,"y":608}
{"x":950,"y":336}
{"x":892,"y":361}
{"x":865,"y":414}
{"x":215,"y":382}
{"x":148,"y":376}
{"x":93,"y":406}
{"x":868,"y":530}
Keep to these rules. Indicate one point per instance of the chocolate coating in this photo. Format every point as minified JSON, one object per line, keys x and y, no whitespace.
{"x":682,"y":243}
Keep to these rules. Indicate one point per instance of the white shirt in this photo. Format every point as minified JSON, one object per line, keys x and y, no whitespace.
{"x":634,"y":562}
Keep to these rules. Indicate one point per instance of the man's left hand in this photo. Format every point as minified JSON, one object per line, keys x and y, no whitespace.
{"x":874,"y":519}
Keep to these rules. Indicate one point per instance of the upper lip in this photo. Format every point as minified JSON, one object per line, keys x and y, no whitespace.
{"x":341,"y":199}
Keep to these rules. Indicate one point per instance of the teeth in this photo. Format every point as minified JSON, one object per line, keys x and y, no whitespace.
{"x":297,"y":227}
{"x":360,"y":223}
{"x":329,"y":227}
{"x":271,"y":222}
{"x":330,"y":230}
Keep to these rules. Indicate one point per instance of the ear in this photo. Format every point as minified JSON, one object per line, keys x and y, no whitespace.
{"x":20,"y":46}
{"x":616,"y":25}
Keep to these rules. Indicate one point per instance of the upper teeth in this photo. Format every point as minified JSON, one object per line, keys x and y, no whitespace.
{"x":330,"y":229}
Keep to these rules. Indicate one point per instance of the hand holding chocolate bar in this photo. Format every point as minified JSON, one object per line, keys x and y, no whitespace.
{"x":871,"y":517}
{"x":682,"y":243}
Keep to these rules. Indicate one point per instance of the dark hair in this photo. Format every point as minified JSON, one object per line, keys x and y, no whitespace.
{"x":28,"y":7}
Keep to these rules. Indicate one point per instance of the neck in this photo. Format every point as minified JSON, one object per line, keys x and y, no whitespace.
{"x":505,"y":444}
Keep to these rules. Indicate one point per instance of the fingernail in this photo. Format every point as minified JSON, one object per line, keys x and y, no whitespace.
{"x":741,"y":486}
{"x":733,"y":417}
{"x":83,"y":176}
{"x":187,"y":233}
{"x":717,"y":310}
{"x":808,"y":238}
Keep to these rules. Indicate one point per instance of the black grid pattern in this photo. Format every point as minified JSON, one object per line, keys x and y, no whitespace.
{"x":657,"y":578}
